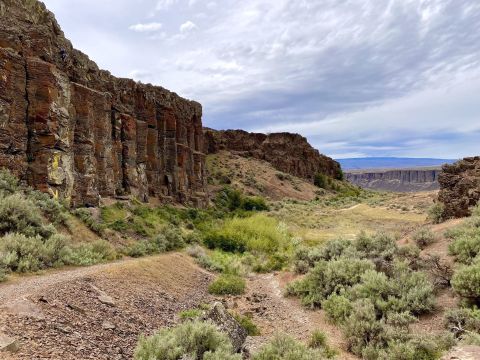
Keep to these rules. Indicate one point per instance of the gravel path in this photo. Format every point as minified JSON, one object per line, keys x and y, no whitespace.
{"x":24,"y":286}
{"x":274,"y":313}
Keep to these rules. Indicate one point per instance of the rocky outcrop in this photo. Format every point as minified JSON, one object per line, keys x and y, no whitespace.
{"x":460,"y":187}
{"x":227,"y":324}
{"x":405,"y":180}
{"x":289,"y":153}
{"x":79,"y":133}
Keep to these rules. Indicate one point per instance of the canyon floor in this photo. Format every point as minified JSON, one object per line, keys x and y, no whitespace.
{"x":99,"y":312}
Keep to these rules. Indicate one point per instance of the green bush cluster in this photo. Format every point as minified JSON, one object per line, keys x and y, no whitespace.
{"x":435,"y":213}
{"x":233,"y":200}
{"x":258,"y":233}
{"x":171,"y":238}
{"x":203,"y":341}
{"x":368,"y":287}
{"x":227,"y":284}
{"x":466,"y":282}
{"x":423,"y":237}
{"x":283,"y":347}
{"x":247,"y":323}
{"x":190,"y":340}
{"x":28,"y":239}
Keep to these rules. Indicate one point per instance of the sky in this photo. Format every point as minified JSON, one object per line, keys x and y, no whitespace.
{"x":356,"y":77}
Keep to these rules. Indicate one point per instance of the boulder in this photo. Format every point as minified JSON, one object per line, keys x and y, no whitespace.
{"x":8,"y":344}
{"x":227,"y":324}
{"x":460,"y":187}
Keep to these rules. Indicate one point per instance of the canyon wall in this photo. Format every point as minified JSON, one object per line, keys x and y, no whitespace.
{"x":405,"y":180}
{"x":79,"y":133}
{"x":289,"y":153}
{"x":460,"y":187}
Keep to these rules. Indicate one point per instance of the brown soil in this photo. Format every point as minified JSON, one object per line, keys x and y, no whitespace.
{"x":273,"y":313}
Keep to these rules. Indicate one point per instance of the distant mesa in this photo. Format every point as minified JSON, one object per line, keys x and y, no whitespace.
{"x":394,"y":174}
{"x":391,"y":163}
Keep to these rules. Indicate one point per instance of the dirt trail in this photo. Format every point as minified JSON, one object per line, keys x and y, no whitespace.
{"x":28,"y":285}
{"x":273,"y":313}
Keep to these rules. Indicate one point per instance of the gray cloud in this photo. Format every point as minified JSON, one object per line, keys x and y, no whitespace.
{"x":362,"y":77}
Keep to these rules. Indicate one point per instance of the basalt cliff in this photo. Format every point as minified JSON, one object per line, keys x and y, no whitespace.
{"x":79,"y":133}
{"x":289,"y":153}
{"x":402,"y":180}
{"x":460,"y":187}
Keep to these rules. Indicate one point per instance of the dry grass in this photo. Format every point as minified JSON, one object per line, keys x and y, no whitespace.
{"x":316,"y":222}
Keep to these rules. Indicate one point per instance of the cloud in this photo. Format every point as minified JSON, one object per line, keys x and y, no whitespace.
{"x":148,"y":27}
{"x":187,"y":27}
{"x":164,"y":4}
{"x":382,"y":78}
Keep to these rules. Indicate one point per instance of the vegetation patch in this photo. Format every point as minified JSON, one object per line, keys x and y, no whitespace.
{"x":227,"y":284}
{"x":367,"y":287}
{"x":192,"y":340}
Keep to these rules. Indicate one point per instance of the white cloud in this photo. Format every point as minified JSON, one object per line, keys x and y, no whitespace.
{"x":148,"y":27}
{"x":187,"y":27}
{"x":164,"y":4}
{"x":356,"y":77}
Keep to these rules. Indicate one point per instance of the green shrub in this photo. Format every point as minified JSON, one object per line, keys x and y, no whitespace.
{"x":85,"y":215}
{"x":406,"y":291}
{"x":223,"y":262}
{"x":227,"y":285}
{"x":283,"y":347}
{"x":423,"y":238}
{"x":192,"y":339}
{"x":462,"y":320}
{"x":190,"y":314}
{"x":8,"y":183}
{"x":20,"y":215}
{"x":362,"y":328}
{"x":466,"y":282}
{"x":378,"y":247}
{"x":470,"y":338}
{"x":258,"y":233}
{"x":170,"y":239}
{"x":51,"y":208}
{"x":329,"y":277}
{"x":337,"y":308}
{"x":435,"y":213}
{"x":318,"y":340}
{"x":255,"y":203}
{"x":465,"y":248}
{"x":320,"y":180}
{"x":247,"y":323}
{"x":141,"y":248}
{"x":86,"y":254}
{"x":20,"y":253}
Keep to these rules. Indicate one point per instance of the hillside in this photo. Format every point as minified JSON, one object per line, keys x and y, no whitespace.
{"x":256,"y":177}
{"x":289,"y":153}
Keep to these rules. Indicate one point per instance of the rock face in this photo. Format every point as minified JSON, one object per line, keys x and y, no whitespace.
{"x":227,"y":324}
{"x":290,"y":153}
{"x":395,"y":180}
{"x":79,"y":133}
{"x":460,"y":187}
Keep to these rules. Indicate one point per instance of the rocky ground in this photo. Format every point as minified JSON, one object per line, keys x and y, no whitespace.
{"x":98,"y":312}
